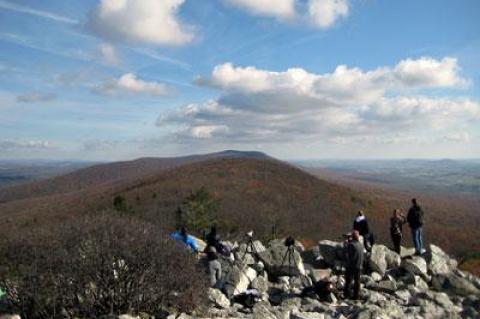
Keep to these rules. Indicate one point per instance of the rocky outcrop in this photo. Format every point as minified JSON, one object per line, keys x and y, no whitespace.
{"x":417,"y":287}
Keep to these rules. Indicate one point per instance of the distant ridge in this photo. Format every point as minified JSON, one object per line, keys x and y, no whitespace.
{"x":114,"y":172}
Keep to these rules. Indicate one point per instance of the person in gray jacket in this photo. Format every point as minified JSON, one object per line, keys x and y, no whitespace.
{"x":355,"y":258}
{"x":214,"y":268}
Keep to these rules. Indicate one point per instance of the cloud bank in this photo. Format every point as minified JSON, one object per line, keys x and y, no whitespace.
{"x":346,"y":105}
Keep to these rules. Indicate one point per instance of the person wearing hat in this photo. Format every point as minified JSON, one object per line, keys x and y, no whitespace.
{"x":354,"y":265}
{"x":214,"y":267}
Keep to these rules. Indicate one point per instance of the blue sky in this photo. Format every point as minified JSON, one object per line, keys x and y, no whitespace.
{"x":120,"y":79}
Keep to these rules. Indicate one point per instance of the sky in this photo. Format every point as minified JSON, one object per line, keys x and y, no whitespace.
{"x":297,"y":79}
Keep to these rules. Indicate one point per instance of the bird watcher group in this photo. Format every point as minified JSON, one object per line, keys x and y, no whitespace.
{"x":357,"y":246}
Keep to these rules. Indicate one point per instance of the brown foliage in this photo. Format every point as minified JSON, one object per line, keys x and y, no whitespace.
{"x":263,"y":195}
{"x":97,"y":266}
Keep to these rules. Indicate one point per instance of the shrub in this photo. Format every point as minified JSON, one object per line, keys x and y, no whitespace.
{"x":97,"y":266}
{"x":199,"y":211}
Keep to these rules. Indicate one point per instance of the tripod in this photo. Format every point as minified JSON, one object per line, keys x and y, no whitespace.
{"x":289,"y":256}
{"x":250,"y":248}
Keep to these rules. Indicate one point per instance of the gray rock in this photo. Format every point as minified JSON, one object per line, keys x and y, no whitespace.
{"x":382,"y":258}
{"x":279,"y":262}
{"x":388,"y":286}
{"x":415,"y":266}
{"x":218,"y":298}
{"x":455,"y":284}
{"x":238,"y":280}
{"x":439,"y":263}
{"x":263,"y":310}
{"x":260,"y":284}
{"x":307,"y":315}
{"x":331,"y":251}
{"x":319,"y":274}
{"x":403,"y":295}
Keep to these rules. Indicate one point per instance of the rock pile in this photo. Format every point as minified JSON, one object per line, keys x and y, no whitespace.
{"x":393,"y":286}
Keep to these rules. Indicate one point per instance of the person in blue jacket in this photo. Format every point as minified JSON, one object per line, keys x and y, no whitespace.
{"x":183,"y":237}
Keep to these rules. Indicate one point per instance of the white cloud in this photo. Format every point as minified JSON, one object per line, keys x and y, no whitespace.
{"x":458,"y":137}
{"x":35,"y":97}
{"x":348,"y":104}
{"x":319,"y":13}
{"x":429,"y":72}
{"x":281,"y":9}
{"x":109,"y":54}
{"x":324,"y":13}
{"x":344,"y":84}
{"x":129,"y":84}
{"x":38,"y":13}
{"x":25,"y":144}
{"x":146,"y":21}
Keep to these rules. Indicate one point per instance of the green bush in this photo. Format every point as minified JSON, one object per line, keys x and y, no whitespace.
{"x":98,"y":266}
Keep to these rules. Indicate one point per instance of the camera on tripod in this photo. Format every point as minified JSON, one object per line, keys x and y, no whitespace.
{"x":289,"y":241}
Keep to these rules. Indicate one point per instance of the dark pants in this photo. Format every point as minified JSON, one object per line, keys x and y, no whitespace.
{"x":352,"y":275}
{"x":397,"y":240}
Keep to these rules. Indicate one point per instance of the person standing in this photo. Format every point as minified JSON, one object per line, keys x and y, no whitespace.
{"x":360,"y":224}
{"x":355,"y":259}
{"x":415,"y":221}
{"x":396,"y":229}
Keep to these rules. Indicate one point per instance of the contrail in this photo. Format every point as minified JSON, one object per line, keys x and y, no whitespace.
{"x":38,"y":13}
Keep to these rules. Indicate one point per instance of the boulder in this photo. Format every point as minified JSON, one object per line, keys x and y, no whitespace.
{"x":331,"y":251}
{"x":382,"y":258}
{"x":439,"y":263}
{"x":415,"y":266}
{"x":319,"y":274}
{"x":218,"y":298}
{"x":263,"y":310}
{"x":280,"y":261}
{"x":388,"y":286}
{"x":307,"y":315}
{"x":455,"y":284}
{"x":238,"y":279}
{"x":260,"y":284}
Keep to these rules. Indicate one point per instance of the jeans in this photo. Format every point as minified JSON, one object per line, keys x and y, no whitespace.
{"x":417,"y":239}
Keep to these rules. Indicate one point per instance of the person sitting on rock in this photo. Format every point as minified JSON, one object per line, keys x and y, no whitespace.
{"x":415,"y":221}
{"x":183,"y":237}
{"x":354,"y":266}
{"x":360,"y":224}
{"x":212,"y":239}
{"x":396,"y":225}
{"x":214,"y":268}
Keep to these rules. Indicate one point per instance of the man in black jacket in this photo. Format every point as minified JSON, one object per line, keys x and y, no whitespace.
{"x":355,"y":259}
{"x":415,"y":221}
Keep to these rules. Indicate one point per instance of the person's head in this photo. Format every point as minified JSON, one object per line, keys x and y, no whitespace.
{"x":213,"y":229}
{"x":414,"y":202}
{"x":356,"y":235}
{"x":396,"y":212}
{"x":183,"y":231}
{"x":360,"y":213}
